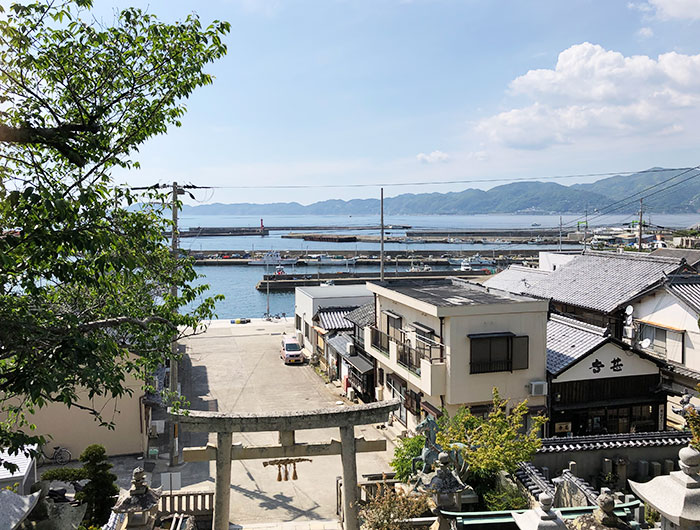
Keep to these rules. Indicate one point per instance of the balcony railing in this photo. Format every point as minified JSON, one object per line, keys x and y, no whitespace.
{"x":407,"y":355}
{"x":380,"y":341}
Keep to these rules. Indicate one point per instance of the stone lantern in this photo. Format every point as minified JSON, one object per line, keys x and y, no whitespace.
{"x":676,"y":496}
{"x":541,"y":518}
{"x":141,"y":503}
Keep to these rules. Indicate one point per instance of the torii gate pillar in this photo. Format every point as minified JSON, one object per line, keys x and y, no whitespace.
{"x":224,"y":425}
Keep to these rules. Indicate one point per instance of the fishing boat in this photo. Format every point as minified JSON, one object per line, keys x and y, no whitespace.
{"x":476,"y":263}
{"x":273,"y":258}
{"x":420,"y":268}
{"x":325,"y":259}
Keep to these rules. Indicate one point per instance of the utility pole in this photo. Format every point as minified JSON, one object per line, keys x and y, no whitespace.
{"x":640,"y":224}
{"x":381,"y":221}
{"x":585,"y":230}
{"x":560,"y":233}
{"x":173,"y":446}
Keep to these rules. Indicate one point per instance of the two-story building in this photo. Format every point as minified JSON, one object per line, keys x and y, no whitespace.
{"x":446,"y":343}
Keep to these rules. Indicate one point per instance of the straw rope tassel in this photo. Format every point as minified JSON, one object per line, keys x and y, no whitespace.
{"x":286,"y":472}
{"x":279,"y":473}
{"x":294,"y":473}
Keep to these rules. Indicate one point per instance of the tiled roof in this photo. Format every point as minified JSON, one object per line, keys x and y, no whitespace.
{"x":334,"y":318}
{"x":362,"y":316}
{"x":680,"y":369}
{"x":614,"y":441}
{"x":687,"y":288}
{"x":692,"y":257}
{"x":603,"y":281}
{"x":22,"y":461}
{"x":516,"y":278}
{"x":568,"y":340}
{"x":533,"y":479}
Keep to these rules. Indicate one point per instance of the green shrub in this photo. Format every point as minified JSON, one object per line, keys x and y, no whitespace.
{"x":100,"y":492}
{"x":65,"y":474}
{"x":503,"y":498}
{"x":404,"y":452}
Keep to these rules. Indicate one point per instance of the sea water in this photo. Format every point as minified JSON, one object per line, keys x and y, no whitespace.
{"x":237,"y":283}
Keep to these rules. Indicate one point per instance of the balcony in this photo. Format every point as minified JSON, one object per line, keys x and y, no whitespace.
{"x":380,"y":341}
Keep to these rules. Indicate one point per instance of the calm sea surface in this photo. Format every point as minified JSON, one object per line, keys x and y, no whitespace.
{"x":237,"y":284}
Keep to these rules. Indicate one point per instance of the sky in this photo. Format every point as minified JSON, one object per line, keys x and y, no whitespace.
{"x":338,"y":92}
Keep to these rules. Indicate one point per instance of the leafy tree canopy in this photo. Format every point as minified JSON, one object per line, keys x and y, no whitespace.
{"x":498,"y":442}
{"x":84,"y":279}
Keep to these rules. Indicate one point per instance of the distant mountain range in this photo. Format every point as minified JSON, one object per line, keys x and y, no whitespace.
{"x":519,"y":197}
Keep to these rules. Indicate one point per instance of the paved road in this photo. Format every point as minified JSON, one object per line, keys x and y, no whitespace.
{"x":236,"y":368}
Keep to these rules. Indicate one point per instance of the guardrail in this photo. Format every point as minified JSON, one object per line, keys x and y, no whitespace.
{"x":380,"y":341}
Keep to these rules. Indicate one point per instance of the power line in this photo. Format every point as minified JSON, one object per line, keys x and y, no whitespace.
{"x":417,"y":183}
{"x":636,"y":196}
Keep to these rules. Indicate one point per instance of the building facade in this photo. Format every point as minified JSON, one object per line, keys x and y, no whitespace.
{"x":447,"y":343}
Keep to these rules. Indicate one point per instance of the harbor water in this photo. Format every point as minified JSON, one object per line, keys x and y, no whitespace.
{"x":237,"y":283}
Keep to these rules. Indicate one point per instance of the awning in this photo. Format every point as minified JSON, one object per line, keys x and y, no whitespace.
{"x":390,"y":314}
{"x":359,"y":363}
{"x":430,"y":409}
{"x":423,"y":328}
{"x":489,"y":335}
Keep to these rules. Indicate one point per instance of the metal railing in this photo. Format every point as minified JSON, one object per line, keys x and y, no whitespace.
{"x":485,"y":367}
{"x":409,"y":357}
{"x":187,"y":502}
{"x":380,"y":341}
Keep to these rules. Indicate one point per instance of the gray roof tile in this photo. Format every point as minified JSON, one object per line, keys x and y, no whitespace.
{"x":362,"y":316}
{"x":332,"y":319}
{"x":615,"y":441}
{"x":687,"y":288}
{"x":569,"y":340}
{"x":603,"y":281}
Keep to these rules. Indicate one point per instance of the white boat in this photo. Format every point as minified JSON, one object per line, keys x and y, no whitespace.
{"x":476,"y":263}
{"x":420,"y":268}
{"x":325,"y":259}
{"x":273,"y":258}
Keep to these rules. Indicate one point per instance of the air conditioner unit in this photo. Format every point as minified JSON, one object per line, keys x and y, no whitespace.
{"x":628,"y":332}
{"x":379,"y":393}
{"x":351,"y":394}
{"x":350,"y":348}
{"x":538,"y":388}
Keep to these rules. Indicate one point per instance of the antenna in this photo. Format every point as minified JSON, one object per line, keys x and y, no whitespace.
{"x":645,"y":343}
{"x":629,"y":310}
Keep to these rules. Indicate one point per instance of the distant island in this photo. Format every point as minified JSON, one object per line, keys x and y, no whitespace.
{"x":519,"y":197}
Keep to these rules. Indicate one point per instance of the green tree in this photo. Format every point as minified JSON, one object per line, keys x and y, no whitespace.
{"x":84,"y":275}
{"x":498,"y":442}
{"x":101,"y":490}
{"x":404,"y":453}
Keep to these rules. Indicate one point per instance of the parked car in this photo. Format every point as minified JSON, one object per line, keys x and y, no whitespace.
{"x":291,"y":352}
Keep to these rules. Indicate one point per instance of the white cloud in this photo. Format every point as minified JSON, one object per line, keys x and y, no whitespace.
{"x":431,"y":158}
{"x":645,"y":32}
{"x":594,"y":92}
{"x":670,"y":9}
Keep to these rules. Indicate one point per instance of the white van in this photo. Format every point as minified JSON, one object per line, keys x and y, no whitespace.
{"x":291,"y":351}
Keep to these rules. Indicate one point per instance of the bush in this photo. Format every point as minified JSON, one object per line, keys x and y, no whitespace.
{"x":404,"y":453}
{"x":100,"y":492}
{"x":503,"y":498}
{"x":389,"y":509}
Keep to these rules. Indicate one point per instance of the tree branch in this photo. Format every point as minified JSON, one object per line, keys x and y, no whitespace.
{"x":56,"y":137}
{"x":118,"y":321}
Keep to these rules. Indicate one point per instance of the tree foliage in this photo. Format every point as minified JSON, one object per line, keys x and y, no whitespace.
{"x":84,"y":276}
{"x":405,"y":451}
{"x":498,"y":442}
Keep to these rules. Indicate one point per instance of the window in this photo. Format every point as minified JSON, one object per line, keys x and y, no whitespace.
{"x":306,"y":330}
{"x":380,"y":377}
{"x":359,"y":336}
{"x":498,"y":352}
{"x":393,"y":326}
{"x":297,"y":321}
{"x":663,"y":341}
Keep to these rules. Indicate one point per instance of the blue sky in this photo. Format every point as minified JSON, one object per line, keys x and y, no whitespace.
{"x":367,"y":91}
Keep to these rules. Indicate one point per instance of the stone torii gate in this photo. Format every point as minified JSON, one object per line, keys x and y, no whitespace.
{"x":224,"y":425}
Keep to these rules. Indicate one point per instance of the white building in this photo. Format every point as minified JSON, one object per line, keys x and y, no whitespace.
{"x":309,"y":300}
{"x":446,"y":343}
